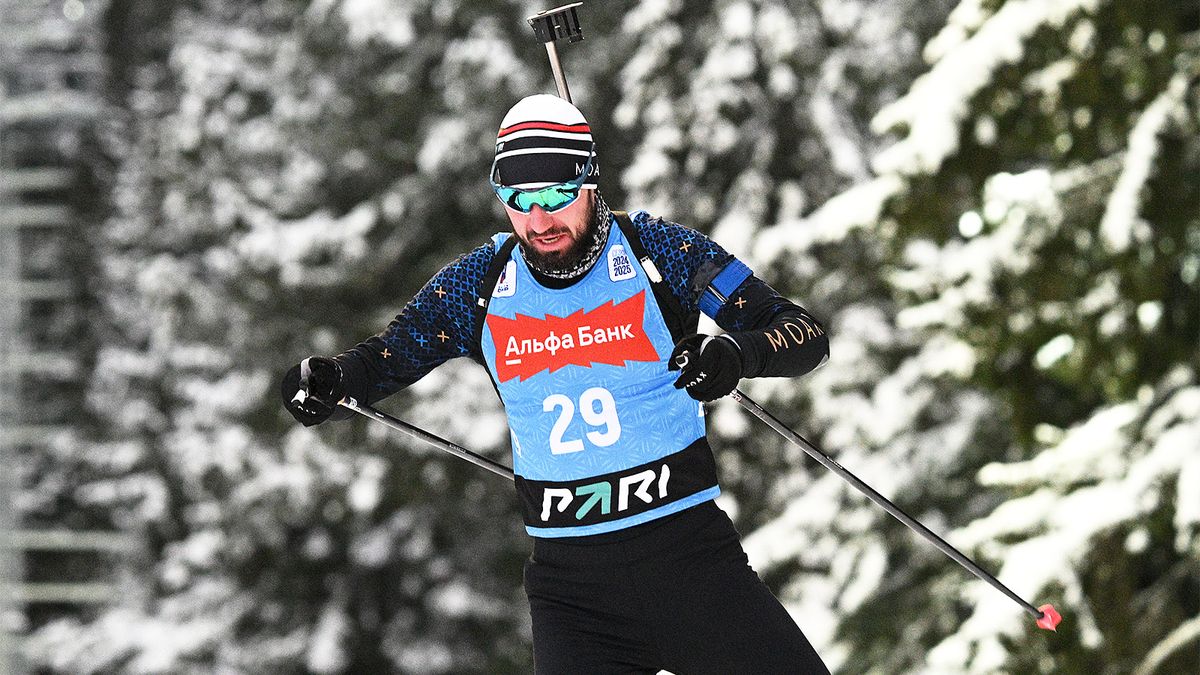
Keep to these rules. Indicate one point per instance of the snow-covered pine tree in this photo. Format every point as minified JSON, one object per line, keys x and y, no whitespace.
{"x":1037,"y":224}
{"x":278,"y":170}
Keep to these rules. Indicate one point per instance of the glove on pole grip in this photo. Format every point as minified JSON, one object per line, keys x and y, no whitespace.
{"x":305,"y":374}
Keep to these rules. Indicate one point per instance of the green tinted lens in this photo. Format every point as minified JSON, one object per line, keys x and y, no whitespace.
{"x":549,"y":198}
{"x":507,"y":195}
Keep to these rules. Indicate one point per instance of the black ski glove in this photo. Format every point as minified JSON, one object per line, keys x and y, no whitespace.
{"x":711,"y":369}
{"x":311,"y":389}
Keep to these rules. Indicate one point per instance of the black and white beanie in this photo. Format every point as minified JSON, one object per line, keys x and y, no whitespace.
{"x":543,"y":140}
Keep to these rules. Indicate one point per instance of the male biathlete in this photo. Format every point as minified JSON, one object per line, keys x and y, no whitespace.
{"x":580,"y":315}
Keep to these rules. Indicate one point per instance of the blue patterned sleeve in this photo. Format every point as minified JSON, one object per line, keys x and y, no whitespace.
{"x":690,"y":262}
{"x":775,"y":336}
{"x":438,"y":324}
{"x":686,"y":258}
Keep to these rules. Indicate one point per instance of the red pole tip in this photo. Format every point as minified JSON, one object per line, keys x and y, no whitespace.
{"x":1050,"y":617}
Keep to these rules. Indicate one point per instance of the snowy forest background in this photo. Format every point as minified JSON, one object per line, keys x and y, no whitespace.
{"x":993,"y":205}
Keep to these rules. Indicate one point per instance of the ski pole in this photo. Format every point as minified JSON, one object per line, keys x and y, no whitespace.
{"x":1047,"y":617}
{"x":422,"y":435}
{"x":552,"y":25}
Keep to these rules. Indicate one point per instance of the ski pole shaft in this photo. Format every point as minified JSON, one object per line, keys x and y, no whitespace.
{"x":1046,"y":615}
{"x":422,"y":435}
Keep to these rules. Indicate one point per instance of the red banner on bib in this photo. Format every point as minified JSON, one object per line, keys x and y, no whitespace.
{"x":610,"y":334}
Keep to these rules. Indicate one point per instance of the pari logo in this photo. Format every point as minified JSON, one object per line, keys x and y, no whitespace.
{"x":619,"y":265}
{"x":610,"y":334}
{"x":600,"y":494}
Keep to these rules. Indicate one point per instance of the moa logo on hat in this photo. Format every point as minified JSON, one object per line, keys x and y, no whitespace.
{"x":543,"y":140}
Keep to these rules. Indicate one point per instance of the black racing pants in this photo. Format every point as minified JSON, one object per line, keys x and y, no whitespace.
{"x":676,"y":594}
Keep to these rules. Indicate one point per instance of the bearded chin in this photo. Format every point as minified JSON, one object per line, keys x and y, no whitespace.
{"x":564,"y":261}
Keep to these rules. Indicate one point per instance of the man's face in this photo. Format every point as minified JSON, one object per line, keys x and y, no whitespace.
{"x":555,"y":241}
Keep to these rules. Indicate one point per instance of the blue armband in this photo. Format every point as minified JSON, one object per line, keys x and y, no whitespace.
{"x":722,"y":286}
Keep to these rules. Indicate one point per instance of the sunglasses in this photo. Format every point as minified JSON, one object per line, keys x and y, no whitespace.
{"x":551,"y":198}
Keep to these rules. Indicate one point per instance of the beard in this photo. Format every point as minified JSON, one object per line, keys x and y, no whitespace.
{"x":567,"y":259}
